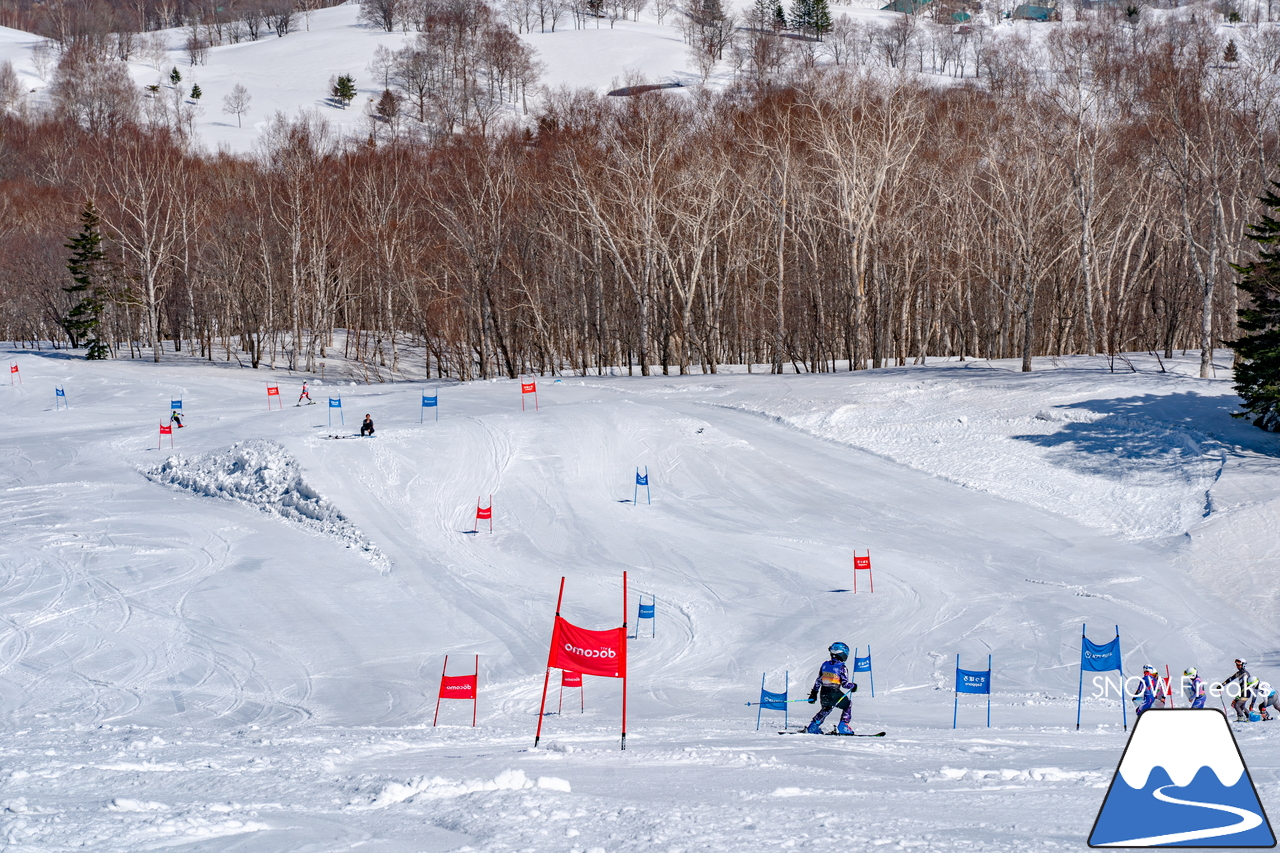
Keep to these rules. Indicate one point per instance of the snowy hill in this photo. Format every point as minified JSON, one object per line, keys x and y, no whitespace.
{"x":182,"y":662}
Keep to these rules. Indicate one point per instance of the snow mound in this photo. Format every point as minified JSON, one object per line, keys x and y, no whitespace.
{"x":422,"y":788}
{"x":263,"y":474}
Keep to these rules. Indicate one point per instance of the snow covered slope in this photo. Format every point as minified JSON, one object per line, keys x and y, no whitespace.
{"x":179,"y":667}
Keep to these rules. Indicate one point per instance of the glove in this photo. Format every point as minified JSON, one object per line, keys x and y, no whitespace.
{"x":855,"y":689}
{"x":813,"y":697}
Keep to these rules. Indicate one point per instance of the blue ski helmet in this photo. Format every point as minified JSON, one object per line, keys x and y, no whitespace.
{"x":839,"y":651}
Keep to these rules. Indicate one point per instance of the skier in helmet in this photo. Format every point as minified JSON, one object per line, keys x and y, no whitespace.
{"x":1241,"y":678}
{"x":1150,"y":690}
{"x":1193,"y":687}
{"x":831,"y":685}
{"x":1244,"y":704}
{"x":1267,"y":697}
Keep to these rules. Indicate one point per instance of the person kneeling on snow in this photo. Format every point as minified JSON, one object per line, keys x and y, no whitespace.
{"x":366,"y":428}
{"x":1264,"y":698}
{"x":831,"y":685}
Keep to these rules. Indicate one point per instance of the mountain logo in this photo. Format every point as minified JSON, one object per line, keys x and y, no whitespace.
{"x":1182,"y":783}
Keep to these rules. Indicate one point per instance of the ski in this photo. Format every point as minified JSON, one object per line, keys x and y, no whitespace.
{"x":833,"y":734}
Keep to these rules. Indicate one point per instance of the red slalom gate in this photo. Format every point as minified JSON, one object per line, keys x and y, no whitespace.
{"x":483,"y":513}
{"x":863,"y":564}
{"x":458,"y":687}
{"x":274,"y":391}
{"x":572,"y":679}
{"x":529,"y":388}
{"x":13,"y":371}
{"x":165,"y":429}
{"x":579,"y":650}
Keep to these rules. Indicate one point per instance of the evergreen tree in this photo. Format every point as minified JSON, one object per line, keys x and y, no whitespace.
{"x":821,"y":17}
{"x":82,"y":321}
{"x":196,"y":92}
{"x":801,"y":15}
{"x":1231,"y":56}
{"x":175,"y":76}
{"x":779,"y":16}
{"x":344,"y":91}
{"x":1258,"y":353}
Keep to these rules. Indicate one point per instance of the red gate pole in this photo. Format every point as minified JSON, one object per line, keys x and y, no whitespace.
{"x":624,"y":660}
{"x":475,"y":694}
{"x":582,"y":696}
{"x":560,"y":709}
{"x":491,"y":522}
{"x":542,"y":709}
{"x":442,"y":672}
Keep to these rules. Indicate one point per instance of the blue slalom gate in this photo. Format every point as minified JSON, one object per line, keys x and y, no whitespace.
{"x":1101,"y":658}
{"x":176,"y":405}
{"x":336,"y":403}
{"x":648,"y":611}
{"x":60,"y":399}
{"x":770,"y":701}
{"x":864,"y":665}
{"x":972,"y":681}
{"x":432,"y":402}
{"x":642,"y":480}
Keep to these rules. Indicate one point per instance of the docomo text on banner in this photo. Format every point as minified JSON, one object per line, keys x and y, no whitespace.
{"x":590,"y":653}
{"x":1106,"y":687}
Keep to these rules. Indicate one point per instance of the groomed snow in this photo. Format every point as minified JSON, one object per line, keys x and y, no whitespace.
{"x":178,"y":669}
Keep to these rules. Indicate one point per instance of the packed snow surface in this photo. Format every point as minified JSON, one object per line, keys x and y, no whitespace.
{"x":185,"y":663}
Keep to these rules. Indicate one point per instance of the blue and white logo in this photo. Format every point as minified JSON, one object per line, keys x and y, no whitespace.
{"x":1182,"y":783}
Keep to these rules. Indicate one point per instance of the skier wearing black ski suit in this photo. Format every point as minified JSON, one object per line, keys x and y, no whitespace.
{"x":833,"y":686}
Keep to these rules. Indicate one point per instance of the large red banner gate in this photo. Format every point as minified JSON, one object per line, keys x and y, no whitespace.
{"x":274,"y":391}
{"x":579,"y":650}
{"x":530,"y":387}
{"x":572,"y":679}
{"x":483,"y":513}
{"x":165,"y":429}
{"x":458,"y":687}
{"x":863,"y":564}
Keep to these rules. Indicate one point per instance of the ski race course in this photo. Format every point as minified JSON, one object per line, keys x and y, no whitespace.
{"x":235,"y":645}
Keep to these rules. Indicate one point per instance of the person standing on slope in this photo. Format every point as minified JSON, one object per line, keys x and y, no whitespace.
{"x":366,"y":428}
{"x":833,"y":686}
{"x":1193,"y":687}
{"x":1150,"y":690}
{"x":1240,"y":676}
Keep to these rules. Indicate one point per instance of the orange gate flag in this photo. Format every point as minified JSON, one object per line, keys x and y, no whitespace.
{"x":601,"y":653}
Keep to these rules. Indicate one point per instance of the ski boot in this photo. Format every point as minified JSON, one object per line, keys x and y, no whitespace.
{"x":843,"y":729}
{"x":814,"y":728}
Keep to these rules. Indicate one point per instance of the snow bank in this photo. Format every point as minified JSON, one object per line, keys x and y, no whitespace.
{"x":439,"y":788}
{"x":261,"y":473}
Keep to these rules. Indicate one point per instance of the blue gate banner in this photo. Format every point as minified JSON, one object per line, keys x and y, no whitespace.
{"x":862,"y":664}
{"x":335,"y":402}
{"x":59,"y":392}
{"x":646,"y":611}
{"x":773,"y":701}
{"x":973,"y":681}
{"x":1096,"y":658}
{"x":428,"y":402}
{"x":642,"y":479}
{"x":175,"y":404}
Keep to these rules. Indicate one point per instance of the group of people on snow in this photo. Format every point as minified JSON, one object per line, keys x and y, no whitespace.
{"x":1250,"y":696}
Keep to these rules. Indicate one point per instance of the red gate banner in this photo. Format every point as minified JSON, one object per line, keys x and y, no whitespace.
{"x":863,"y":564}
{"x":578,"y":651}
{"x":529,"y":388}
{"x":165,"y":429}
{"x":458,"y":687}
{"x":13,"y":371}
{"x":570,"y":679}
{"x":274,"y":391}
{"x":601,"y":653}
{"x":483,"y":513}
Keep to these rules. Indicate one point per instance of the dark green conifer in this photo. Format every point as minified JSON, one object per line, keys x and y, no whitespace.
{"x":85,"y":265}
{"x":1258,"y":352}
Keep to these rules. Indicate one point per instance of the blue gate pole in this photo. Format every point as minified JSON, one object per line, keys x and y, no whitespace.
{"x":989,"y":674}
{"x":653,"y":620}
{"x":786,"y":691}
{"x":1084,"y":627}
{"x":760,"y":707}
{"x":955,"y":711}
{"x":635,"y":495}
{"x":871,"y":673}
{"x":647,"y":491}
{"x":1124,"y":700}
